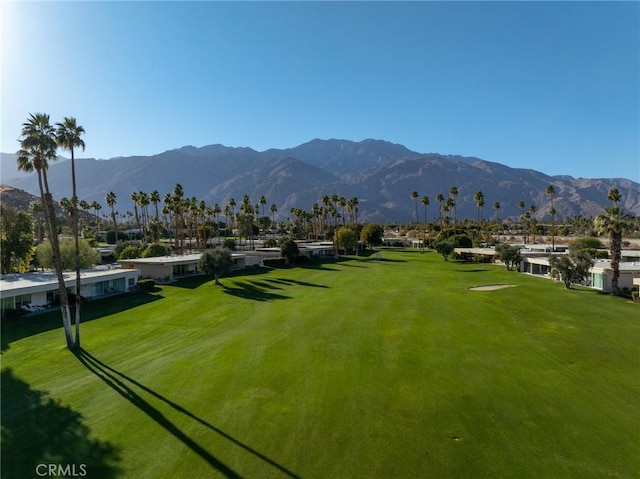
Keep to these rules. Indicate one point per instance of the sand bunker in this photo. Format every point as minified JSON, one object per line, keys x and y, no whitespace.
{"x":491,"y":287}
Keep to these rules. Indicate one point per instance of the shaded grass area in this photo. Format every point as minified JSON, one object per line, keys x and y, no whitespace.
{"x":358,"y":368}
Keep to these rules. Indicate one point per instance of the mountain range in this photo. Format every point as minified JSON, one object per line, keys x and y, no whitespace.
{"x":380,"y":174}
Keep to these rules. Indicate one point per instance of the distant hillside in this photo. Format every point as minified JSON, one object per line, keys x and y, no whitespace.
{"x":381,"y":174}
{"x":20,"y":200}
{"x":16,"y":198}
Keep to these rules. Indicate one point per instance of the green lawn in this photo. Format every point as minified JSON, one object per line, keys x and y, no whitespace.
{"x":361,"y":368}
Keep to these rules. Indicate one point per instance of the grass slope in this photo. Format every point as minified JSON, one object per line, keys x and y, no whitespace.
{"x":362,"y":368}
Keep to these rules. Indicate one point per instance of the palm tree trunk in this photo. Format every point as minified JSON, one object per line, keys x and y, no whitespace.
{"x":47,"y":200}
{"x":74,"y":226}
{"x":614,"y":251}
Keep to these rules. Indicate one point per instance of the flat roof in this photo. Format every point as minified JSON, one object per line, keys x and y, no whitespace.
{"x":43,"y":281}
{"x":175,"y":259}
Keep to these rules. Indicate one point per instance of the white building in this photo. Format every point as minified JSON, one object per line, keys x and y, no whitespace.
{"x":41,"y":289}
{"x":599,"y":274}
{"x":168,"y":268}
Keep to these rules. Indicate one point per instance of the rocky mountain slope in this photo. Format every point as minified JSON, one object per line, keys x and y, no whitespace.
{"x":381,"y":174}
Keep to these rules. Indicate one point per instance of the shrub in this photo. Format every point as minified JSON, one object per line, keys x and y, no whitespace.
{"x":635,"y":295}
{"x":301,"y":259}
{"x":445,"y":248}
{"x":154,"y":250}
{"x":111,"y":236}
{"x":274,"y":262}
{"x":130,"y":252}
{"x":230,"y":244}
{"x":121,"y":245}
{"x":461,"y":241}
{"x":289,"y":250}
{"x":146,"y":285}
{"x":270,"y":243}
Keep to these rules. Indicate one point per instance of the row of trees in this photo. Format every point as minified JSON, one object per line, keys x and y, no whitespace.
{"x":39,"y":142}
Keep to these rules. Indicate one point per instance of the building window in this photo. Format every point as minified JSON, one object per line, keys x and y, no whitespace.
{"x":7,"y":303}
{"x":22,"y":299}
{"x":132,"y":281}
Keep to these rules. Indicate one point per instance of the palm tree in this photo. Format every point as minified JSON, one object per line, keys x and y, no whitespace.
{"x":134,"y":197}
{"x":37,"y":148}
{"x":154,"y":197}
{"x":177,"y":205}
{"x":273,"y":209}
{"x":96,"y":211}
{"x":68,"y":137}
{"x":35,"y":207}
{"x":414,"y":196}
{"x":532,"y":210}
{"x":550,"y":190}
{"x":111,"y":199}
{"x":614,"y":196}
{"x":454,"y":193}
{"x":232,"y":205}
{"x":440,"y":199}
{"x":478,"y":197}
{"x":425,"y":203}
{"x":496,"y":206}
{"x":614,"y":223}
{"x":521,"y":207}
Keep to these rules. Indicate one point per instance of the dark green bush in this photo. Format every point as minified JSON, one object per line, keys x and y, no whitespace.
{"x":146,"y":285}
{"x":461,"y":241}
{"x":274,"y":262}
{"x":154,"y":250}
{"x":111,"y":236}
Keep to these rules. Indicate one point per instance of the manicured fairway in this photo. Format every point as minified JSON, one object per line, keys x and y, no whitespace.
{"x":359,"y":369}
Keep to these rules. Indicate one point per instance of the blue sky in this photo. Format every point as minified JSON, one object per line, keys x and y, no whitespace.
{"x":553,"y":86}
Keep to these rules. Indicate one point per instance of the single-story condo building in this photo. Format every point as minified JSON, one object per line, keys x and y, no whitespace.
{"x":168,"y":268}
{"x":599,"y":273}
{"x":41,"y":289}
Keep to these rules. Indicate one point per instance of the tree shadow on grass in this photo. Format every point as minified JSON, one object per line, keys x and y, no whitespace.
{"x":387,"y":260}
{"x":289,"y":282}
{"x":39,"y":430}
{"x":197,"y":280}
{"x":124,"y":386}
{"x":252,"y":291}
{"x":476,"y":270}
{"x":26,"y":326}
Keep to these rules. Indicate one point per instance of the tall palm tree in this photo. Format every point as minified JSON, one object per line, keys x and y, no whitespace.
{"x":614,"y":223}
{"x":521,"y":207}
{"x":96,"y":211}
{"x":453,"y":191}
{"x":154,"y":197}
{"x":532,"y":210}
{"x":550,"y":190}
{"x":414,"y":197}
{"x":37,"y":148}
{"x":478,"y":197}
{"x":273,"y":209}
{"x":496,"y":206}
{"x":178,"y":217}
{"x":135,"y":199}
{"x":68,"y":135}
{"x":425,"y":203}
{"x":440,"y":199}
{"x":111,"y":199}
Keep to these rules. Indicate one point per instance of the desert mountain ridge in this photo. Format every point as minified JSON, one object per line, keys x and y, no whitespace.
{"x":380,"y":174}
